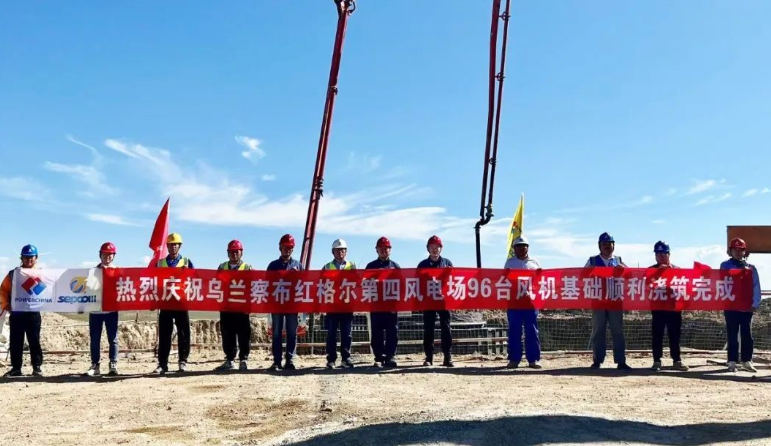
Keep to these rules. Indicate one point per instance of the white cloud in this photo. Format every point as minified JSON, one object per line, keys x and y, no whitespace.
{"x":89,"y":175}
{"x":646,"y":199}
{"x":557,"y":220}
{"x":205,"y":195}
{"x":750,"y":193}
{"x":573,"y":250}
{"x":374,"y":162}
{"x":671,"y":191}
{"x":236,"y":205}
{"x":253,"y":152}
{"x":764,"y":191}
{"x":210,"y":197}
{"x":541,"y":232}
{"x":700,"y":186}
{"x":92,"y":149}
{"x":120,"y":147}
{"x":713,"y":199}
{"x":22,"y":188}
{"x":658,"y":222}
{"x":157,"y":157}
{"x":725,"y":196}
{"x":364,"y":164}
{"x":111,"y":219}
{"x":569,"y":248}
{"x":393,"y":173}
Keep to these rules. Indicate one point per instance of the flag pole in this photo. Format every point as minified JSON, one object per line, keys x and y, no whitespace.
{"x":158,"y":245}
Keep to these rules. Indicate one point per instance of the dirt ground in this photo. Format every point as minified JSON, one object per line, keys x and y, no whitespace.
{"x":477,"y":403}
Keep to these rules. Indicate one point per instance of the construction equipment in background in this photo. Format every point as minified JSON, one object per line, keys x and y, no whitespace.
{"x":344,"y":9}
{"x":495,"y":98}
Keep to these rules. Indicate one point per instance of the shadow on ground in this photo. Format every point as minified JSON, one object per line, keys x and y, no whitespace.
{"x":544,"y":430}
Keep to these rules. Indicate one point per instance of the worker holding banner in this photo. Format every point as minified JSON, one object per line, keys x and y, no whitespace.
{"x":342,"y":320}
{"x":435,"y":260}
{"x":669,"y":319}
{"x":108,"y":319}
{"x":235,"y":328}
{"x":384,"y":348}
{"x":167,"y":319}
{"x":23,"y":322}
{"x":741,"y":321}
{"x":279,"y":321}
{"x":516,"y":318}
{"x":602,"y":318}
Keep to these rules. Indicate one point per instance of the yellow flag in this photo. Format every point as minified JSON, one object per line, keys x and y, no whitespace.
{"x":516,"y":226}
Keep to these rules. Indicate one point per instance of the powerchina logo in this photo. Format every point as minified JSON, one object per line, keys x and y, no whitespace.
{"x":77,"y":286}
{"x":33,"y":285}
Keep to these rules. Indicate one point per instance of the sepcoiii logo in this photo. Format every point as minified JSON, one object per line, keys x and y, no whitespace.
{"x":78,"y":285}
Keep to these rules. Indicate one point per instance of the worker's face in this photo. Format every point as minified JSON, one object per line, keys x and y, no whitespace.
{"x":28,"y":262}
{"x":286,"y":251}
{"x":434,"y":250}
{"x":340,"y":253}
{"x":235,"y":255}
{"x":174,"y":248}
{"x":521,"y":251}
{"x":737,"y":253}
{"x":607,"y":248}
{"x":106,"y":258}
{"x":662,"y":258}
{"x":383,"y":252}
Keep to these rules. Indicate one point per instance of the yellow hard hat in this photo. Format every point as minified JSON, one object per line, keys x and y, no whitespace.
{"x":174,"y":238}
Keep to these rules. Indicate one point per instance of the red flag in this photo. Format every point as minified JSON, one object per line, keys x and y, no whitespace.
{"x":160,"y":232}
{"x":700,"y":267}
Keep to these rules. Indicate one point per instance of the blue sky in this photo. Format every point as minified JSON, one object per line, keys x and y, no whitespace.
{"x":646,"y":119}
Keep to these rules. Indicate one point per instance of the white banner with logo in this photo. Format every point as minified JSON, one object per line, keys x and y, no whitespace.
{"x":57,"y":290}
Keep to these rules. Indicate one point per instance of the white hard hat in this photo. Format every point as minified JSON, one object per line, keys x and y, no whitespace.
{"x":521,"y":240}
{"x":339,"y":243}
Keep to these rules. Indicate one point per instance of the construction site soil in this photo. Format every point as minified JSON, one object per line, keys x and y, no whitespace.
{"x":479,"y":402}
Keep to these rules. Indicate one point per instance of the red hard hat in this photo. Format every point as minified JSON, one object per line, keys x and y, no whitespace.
{"x":108,"y":248}
{"x":235,"y":245}
{"x":434,"y":240}
{"x":287,"y":240}
{"x":383,"y":242}
{"x":738,"y":243}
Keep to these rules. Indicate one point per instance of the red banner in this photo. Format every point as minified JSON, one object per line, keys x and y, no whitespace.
{"x":128,"y":289}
